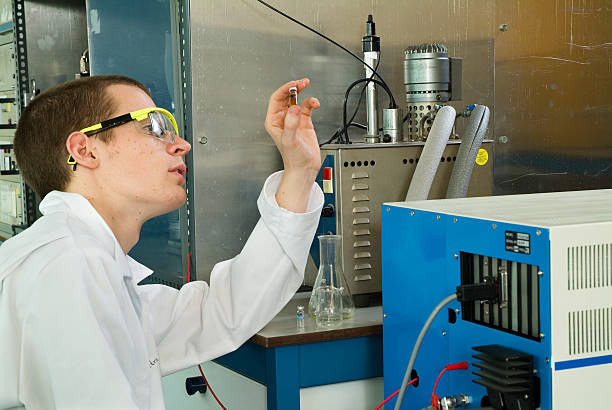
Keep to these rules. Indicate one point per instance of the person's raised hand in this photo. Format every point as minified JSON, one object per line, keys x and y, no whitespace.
{"x":292,"y":130}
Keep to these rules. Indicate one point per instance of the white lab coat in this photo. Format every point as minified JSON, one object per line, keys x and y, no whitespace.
{"x":76,"y":332}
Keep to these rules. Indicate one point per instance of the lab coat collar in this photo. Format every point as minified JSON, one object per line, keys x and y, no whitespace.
{"x":77,"y":206}
{"x":82,"y":209}
{"x":139,"y":271}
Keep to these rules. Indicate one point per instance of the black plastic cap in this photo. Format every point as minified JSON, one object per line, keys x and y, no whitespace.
{"x":370,"y":26}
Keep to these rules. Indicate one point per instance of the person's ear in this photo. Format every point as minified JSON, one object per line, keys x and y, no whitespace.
{"x":81,"y":151}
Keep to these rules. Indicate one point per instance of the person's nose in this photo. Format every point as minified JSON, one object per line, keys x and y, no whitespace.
{"x":180,"y":147}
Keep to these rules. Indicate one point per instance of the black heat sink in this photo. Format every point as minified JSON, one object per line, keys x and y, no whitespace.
{"x":508,"y":376}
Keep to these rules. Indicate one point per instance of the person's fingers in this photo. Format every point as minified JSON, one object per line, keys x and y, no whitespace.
{"x":310,"y":104}
{"x":292,"y":119}
{"x":302,"y":84}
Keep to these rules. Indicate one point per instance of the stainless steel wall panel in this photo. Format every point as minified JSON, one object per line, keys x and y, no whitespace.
{"x":553,"y":100}
{"x":241,"y":52}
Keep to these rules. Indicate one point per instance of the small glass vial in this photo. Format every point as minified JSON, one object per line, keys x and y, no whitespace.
{"x":300,"y":317}
{"x":293,"y":96}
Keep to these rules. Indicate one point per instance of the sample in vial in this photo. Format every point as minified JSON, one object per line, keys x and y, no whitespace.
{"x":293,"y":96}
{"x":300,"y":317}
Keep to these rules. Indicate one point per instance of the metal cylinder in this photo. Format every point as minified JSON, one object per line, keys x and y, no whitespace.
{"x":371,"y":58}
{"x":427,"y":78}
{"x":392,"y":125}
{"x":427,"y":73}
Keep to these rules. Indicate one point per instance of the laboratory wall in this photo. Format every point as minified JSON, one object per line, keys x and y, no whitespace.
{"x":241,"y":52}
{"x":542,"y":67}
{"x":553,"y":100}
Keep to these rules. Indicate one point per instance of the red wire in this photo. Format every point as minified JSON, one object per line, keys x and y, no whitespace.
{"x":210,"y":388}
{"x":199,"y":366}
{"x":393,"y":395}
{"x":434,"y":401}
{"x":455,"y":366}
{"x":189,"y":268}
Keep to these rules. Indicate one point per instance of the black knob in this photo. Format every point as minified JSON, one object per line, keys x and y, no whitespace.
{"x":327,"y":211}
{"x":195,"y":384}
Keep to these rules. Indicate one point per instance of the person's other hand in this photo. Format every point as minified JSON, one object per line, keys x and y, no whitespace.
{"x":292,"y":130}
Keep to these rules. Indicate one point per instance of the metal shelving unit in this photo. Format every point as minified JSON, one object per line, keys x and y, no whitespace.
{"x":11,"y":184}
{"x":23,"y":62}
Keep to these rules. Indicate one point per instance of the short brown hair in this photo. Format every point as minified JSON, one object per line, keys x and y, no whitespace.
{"x":48,"y":120}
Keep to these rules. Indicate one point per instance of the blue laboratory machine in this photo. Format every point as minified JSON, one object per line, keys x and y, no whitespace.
{"x":535,"y":326}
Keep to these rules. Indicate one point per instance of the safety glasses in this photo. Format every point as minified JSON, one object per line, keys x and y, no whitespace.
{"x":156,"y":122}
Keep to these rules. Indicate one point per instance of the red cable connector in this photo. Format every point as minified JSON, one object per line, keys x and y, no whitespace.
{"x":435,"y":399}
{"x":457,"y":366}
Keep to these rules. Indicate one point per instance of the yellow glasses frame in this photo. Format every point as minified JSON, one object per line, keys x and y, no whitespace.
{"x":138,"y":115}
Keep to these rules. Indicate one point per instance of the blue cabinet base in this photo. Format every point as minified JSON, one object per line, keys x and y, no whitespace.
{"x":284,"y":370}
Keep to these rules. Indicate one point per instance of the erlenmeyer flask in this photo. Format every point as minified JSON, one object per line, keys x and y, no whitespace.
{"x":331,"y":299}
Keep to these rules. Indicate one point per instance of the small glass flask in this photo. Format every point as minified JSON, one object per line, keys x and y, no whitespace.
{"x":331,"y":299}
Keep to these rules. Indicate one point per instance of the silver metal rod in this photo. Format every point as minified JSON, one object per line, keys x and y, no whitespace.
{"x":371,"y":58}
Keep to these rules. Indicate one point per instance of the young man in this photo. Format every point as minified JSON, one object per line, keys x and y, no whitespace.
{"x":76,"y":332}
